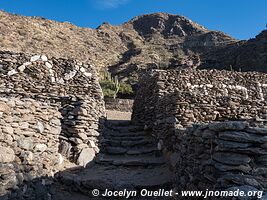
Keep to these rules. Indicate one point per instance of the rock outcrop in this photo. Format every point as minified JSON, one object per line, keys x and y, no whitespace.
{"x":244,"y":56}
{"x":158,"y":40}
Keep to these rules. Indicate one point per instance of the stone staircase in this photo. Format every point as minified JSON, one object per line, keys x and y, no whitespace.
{"x":128,"y":159}
{"x":128,"y":145}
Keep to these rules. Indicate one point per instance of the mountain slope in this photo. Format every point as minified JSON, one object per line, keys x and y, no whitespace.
{"x":163,"y":40}
{"x":156,"y":40}
{"x":38,"y":35}
{"x":248,"y":55}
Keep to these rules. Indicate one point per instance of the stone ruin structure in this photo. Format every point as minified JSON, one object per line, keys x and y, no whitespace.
{"x":180,"y":106}
{"x":50,"y":110}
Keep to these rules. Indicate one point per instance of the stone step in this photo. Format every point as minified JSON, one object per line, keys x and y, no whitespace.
{"x":152,"y":149}
{"x":126,"y":143}
{"x":123,"y":129}
{"x":112,"y":177}
{"x":126,"y":134}
{"x":118,"y":140}
{"x":130,"y":160}
{"x":131,"y":151}
{"x":129,"y":138}
{"x":112,"y":123}
{"x":115,"y":150}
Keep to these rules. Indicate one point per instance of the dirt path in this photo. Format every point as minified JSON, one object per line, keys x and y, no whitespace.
{"x":118,"y":115}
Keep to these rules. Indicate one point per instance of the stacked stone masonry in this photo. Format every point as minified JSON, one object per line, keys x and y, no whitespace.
{"x":171,"y":101}
{"x":50,"y":109}
{"x":123,"y":105}
{"x":221,"y":155}
{"x":201,"y":96}
{"x":29,"y":140}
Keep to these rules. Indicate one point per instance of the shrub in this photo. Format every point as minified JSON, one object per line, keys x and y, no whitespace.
{"x":108,"y":93}
{"x":125,"y":89}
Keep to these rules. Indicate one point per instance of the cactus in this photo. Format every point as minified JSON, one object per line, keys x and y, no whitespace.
{"x":109,"y":84}
{"x":116,"y":86}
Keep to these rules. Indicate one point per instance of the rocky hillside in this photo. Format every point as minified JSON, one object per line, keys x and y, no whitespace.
{"x":38,"y":35}
{"x":244,"y":56}
{"x":163,"y":41}
{"x":157,"y":40}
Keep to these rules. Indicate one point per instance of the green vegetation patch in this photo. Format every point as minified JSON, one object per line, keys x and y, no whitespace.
{"x":112,"y":87}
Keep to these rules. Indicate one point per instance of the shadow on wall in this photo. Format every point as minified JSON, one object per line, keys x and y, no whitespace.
{"x":17,"y":182}
{"x":80,"y":134}
{"x":32,"y":139}
{"x":226,"y":156}
{"x":78,"y":182}
{"x":45,"y":188}
{"x":219,"y":154}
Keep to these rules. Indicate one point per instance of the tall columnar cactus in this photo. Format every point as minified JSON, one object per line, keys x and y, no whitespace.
{"x":108,"y":76}
{"x":116,"y":86}
{"x":110,"y":85}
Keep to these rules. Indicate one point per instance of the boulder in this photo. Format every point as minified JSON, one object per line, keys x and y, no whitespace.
{"x":40,"y":127}
{"x":240,"y":136}
{"x":241,"y":168}
{"x":232,"y":145}
{"x":25,"y":143}
{"x":86,"y":156}
{"x":40,"y":147}
{"x":35,"y":58}
{"x":4,"y":108}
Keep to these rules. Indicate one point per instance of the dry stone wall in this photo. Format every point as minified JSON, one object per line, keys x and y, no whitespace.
{"x":175,"y":104}
{"x":124,"y":105}
{"x":221,"y":155}
{"x":49,"y":109}
{"x":37,"y":75}
{"x":169,"y":99}
{"x":81,"y":127}
{"x":202,"y":96}
{"x":29,"y":140}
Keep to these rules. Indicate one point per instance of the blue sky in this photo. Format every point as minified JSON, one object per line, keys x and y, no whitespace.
{"x":242,"y":19}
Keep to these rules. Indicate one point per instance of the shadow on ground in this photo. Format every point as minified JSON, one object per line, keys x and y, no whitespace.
{"x":128,"y":160}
